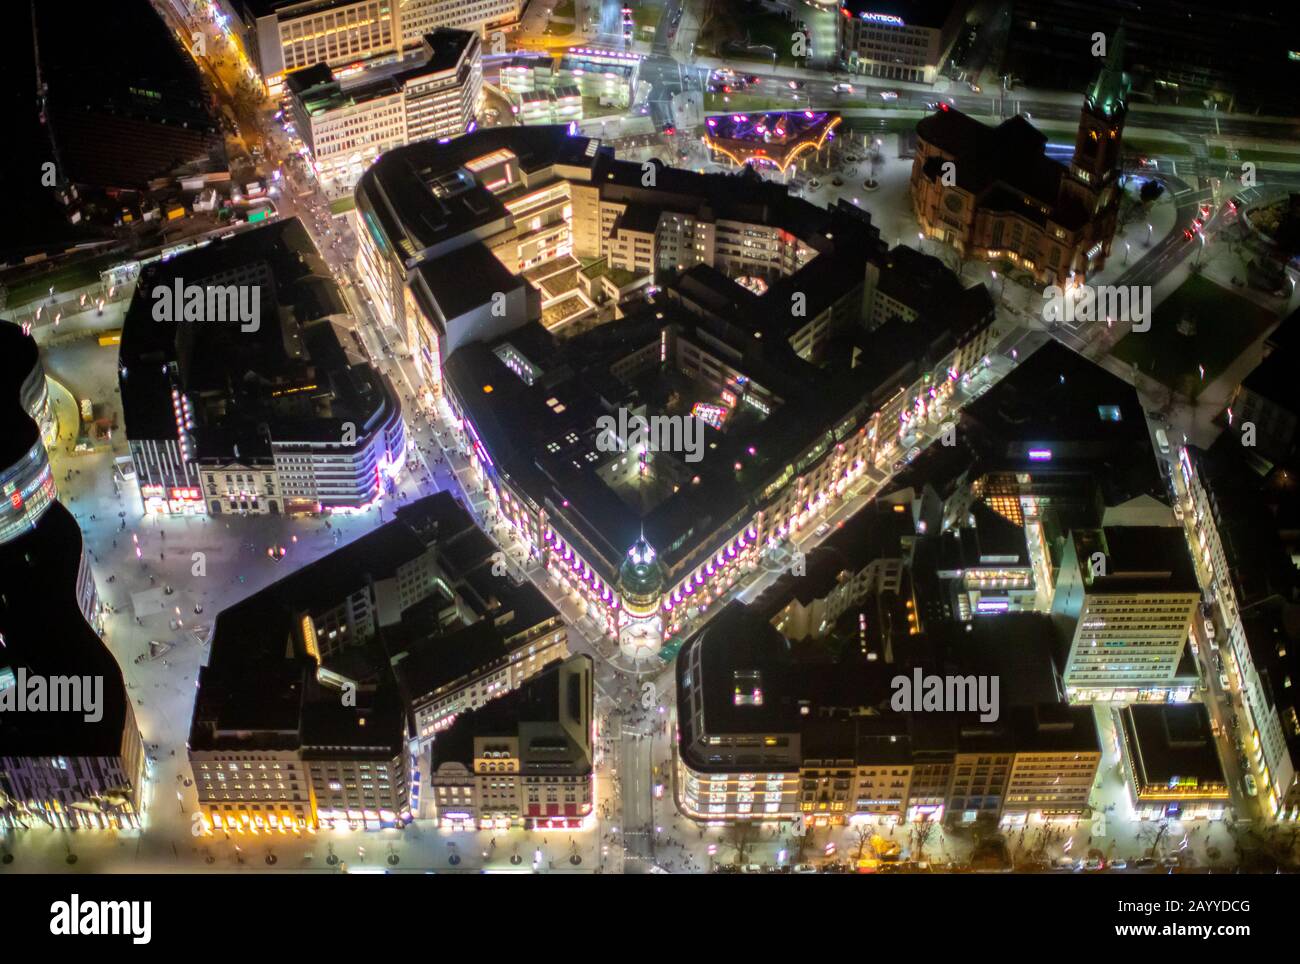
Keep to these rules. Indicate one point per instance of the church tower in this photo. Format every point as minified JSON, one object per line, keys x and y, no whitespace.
{"x":1101,"y":122}
{"x":1092,"y":187}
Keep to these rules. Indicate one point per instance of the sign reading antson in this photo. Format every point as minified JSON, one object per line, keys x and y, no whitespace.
{"x":888,"y":18}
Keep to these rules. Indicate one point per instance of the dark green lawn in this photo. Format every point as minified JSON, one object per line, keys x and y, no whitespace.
{"x":1225,"y":325}
{"x":749,"y":26}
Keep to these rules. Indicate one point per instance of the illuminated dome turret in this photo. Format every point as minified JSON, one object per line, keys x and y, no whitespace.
{"x":641,"y":580}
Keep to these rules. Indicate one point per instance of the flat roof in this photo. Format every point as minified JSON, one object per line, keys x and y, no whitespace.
{"x":1169,"y":742}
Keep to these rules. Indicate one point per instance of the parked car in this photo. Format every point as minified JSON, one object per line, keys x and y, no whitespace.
{"x":1145,"y":862}
{"x":1251,"y":787}
{"x":1065,"y":863}
{"x":889,"y":95}
{"x":1119,"y":864}
{"x":1093,"y":863}
{"x":1171,"y":861}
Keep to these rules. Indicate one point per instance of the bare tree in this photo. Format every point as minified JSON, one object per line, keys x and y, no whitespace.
{"x":741,"y":836}
{"x":862,"y":834}
{"x":1155,"y":834}
{"x":922,"y":834}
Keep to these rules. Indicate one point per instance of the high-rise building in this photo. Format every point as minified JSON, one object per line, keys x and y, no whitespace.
{"x":122,"y":102}
{"x":1125,"y":599}
{"x":346,"y":126}
{"x":995,"y":195}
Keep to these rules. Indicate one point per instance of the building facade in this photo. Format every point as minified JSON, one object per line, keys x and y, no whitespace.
{"x":898,"y":40}
{"x":1125,"y":598}
{"x":346,"y":127}
{"x":525,"y":760}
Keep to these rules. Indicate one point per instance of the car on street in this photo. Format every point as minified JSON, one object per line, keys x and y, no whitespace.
{"x":1251,"y":788}
{"x":889,"y":95}
{"x":1093,"y":863}
{"x":1119,"y":864}
{"x":1171,"y":861}
{"x":842,"y":89}
{"x":1065,"y":863}
{"x":1143,"y":862}
{"x":822,"y":529}
{"x":1224,"y":682}
{"x":795,"y":84}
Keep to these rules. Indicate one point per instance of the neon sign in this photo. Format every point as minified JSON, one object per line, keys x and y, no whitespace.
{"x":888,"y":18}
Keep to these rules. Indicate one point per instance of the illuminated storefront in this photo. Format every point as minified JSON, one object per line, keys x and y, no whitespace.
{"x":26,"y":491}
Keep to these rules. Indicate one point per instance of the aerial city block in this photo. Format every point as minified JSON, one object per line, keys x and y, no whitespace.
{"x":650,"y":437}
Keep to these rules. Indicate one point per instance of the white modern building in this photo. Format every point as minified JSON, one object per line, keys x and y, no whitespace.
{"x":281,"y":36}
{"x":346,"y":126}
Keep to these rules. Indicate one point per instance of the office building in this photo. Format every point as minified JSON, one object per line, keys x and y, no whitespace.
{"x":899,"y":39}
{"x":1125,"y":599}
{"x":282,"y":36}
{"x":346,"y":126}
{"x":994,"y":195}
{"x":122,"y":103}
{"x":277,"y":413}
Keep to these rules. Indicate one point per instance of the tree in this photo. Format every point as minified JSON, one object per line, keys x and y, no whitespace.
{"x":1155,"y":833}
{"x":1150,"y":192}
{"x":922,"y":834}
{"x":862,"y":834}
{"x":741,"y":836}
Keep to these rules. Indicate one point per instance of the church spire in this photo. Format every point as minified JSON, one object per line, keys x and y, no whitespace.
{"x":1109,"y":93}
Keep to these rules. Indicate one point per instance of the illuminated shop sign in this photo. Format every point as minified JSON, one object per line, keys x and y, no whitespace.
{"x":888,"y":18}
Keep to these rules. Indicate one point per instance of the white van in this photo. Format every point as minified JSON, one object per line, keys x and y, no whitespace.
{"x":1162,"y":439}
